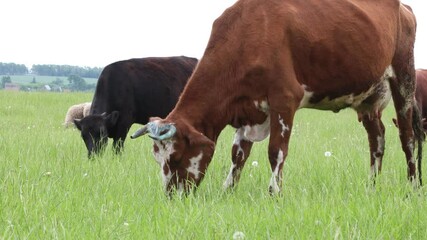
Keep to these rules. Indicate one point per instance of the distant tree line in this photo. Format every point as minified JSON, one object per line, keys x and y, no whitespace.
{"x":74,"y":76}
{"x":50,"y":70}
{"x":13,"y":69}
{"x":75,"y":83}
{"x":66,"y":70}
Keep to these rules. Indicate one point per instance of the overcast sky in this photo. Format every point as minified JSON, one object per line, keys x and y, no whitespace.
{"x":96,"y":32}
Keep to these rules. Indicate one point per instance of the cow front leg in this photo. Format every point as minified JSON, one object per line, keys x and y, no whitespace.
{"x":239,"y":154}
{"x":118,"y":144}
{"x":376,"y":132}
{"x":280,"y":132}
{"x":121,"y":131}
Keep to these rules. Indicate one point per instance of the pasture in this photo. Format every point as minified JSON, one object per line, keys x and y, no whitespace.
{"x":26,"y":79}
{"x":50,"y":190}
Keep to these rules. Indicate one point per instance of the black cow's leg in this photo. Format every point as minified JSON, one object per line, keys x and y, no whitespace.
{"x":118,"y":145}
{"x":239,"y":154}
{"x":119,"y":140}
{"x":376,"y":132}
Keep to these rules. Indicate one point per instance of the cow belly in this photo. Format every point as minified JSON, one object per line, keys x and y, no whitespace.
{"x":375,"y":98}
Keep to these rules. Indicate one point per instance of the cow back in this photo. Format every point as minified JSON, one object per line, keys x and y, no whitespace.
{"x":142,"y":87}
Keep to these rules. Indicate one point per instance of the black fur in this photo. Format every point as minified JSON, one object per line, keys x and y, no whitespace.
{"x":132,"y":91}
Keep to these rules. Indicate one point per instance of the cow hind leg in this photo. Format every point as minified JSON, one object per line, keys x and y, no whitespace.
{"x":376,"y":132}
{"x":408,"y":117}
{"x":239,"y":154}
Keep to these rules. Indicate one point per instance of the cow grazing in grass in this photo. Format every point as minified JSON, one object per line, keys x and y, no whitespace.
{"x":130,"y":92}
{"x":267,"y":59}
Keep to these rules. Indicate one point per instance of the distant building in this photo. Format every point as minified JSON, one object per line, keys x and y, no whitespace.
{"x":11,"y":87}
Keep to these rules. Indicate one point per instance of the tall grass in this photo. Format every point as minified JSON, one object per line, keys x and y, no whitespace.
{"x":50,"y":190}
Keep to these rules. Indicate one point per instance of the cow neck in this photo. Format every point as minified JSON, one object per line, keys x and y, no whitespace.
{"x":204,"y":104}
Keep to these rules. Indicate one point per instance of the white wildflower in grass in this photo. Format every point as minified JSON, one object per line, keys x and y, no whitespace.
{"x":255,"y":163}
{"x":47,"y":174}
{"x":85,"y":174}
{"x":328,"y":154}
{"x":126,"y":224}
{"x":238,"y":235}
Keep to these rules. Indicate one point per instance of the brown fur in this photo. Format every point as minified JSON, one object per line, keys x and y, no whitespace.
{"x":421,"y":94}
{"x":270,"y":50}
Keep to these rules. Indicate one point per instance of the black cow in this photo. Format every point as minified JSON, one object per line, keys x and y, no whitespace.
{"x":131,"y":91}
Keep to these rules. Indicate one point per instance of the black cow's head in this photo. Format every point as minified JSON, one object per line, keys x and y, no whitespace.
{"x":94,"y":130}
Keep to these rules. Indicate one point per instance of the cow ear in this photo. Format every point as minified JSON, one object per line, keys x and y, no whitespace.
{"x":203,"y":142}
{"x":111,"y":119}
{"x":77,"y":123}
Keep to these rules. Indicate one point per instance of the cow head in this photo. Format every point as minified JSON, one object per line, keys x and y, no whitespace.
{"x":182,"y":152}
{"x":94,"y":130}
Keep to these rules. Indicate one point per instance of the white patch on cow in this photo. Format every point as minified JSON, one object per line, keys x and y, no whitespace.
{"x":229,"y":181}
{"x":262,"y":106}
{"x":284,"y":126}
{"x":306,"y":98}
{"x":257,"y":132}
{"x":162,"y":156}
{"x":165,"y":150}
{"x":351,"y":100}
{"x":238,"y":137}
{"x":275,"y":177}
{"x":194,"y":167}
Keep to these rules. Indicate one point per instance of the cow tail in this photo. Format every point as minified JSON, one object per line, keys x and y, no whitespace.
{"x":419,"y":137}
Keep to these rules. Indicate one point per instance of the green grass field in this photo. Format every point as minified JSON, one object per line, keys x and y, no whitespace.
{"x":50,"y":190}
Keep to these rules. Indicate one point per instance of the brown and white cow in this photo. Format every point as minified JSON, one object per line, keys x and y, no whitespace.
{"x":421,"y":94}
{"x":267,"y":59}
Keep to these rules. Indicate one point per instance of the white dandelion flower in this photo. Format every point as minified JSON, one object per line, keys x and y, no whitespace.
{"x":238,"y":235}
